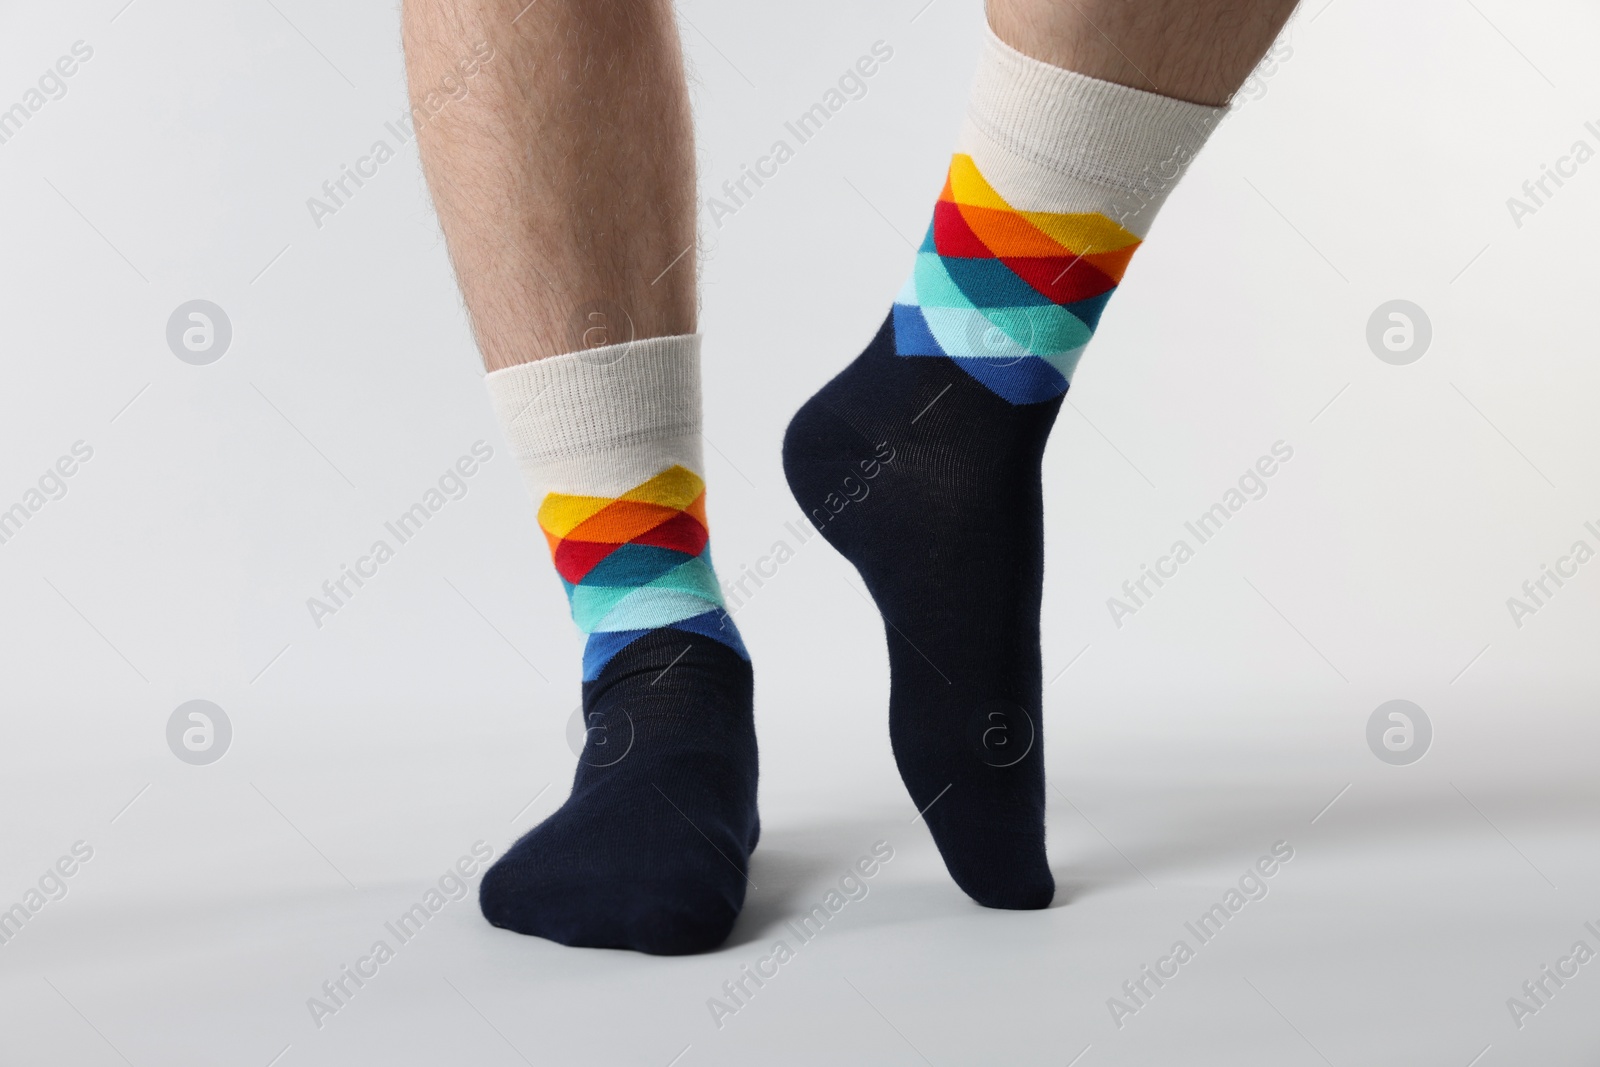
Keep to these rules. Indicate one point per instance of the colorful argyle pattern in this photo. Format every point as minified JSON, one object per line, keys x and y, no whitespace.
{"x":1012,"y":297}
{"x":637,"y":563}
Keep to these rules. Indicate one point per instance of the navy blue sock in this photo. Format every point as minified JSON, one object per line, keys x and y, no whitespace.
{"x":651,"y":850}
{"x":949,"y":541}
{"x":1054,"y":184}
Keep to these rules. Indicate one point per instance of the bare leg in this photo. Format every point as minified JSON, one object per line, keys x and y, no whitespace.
{"x":1055,"y":181}
{"x":1195,"y":50}
{"x":564,"y":177}
{"x":564,"y":180}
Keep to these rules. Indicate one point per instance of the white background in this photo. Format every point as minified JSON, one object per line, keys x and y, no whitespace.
{"x":369,"y":754}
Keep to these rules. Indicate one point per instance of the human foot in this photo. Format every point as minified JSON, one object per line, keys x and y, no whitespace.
{"x":651,"y":849}
{"x":1055,"y":182}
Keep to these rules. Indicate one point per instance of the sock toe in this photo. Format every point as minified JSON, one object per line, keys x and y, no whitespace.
{"x":650,"y":851}
{"x":997,"y":869}
{"x":658,"y":916}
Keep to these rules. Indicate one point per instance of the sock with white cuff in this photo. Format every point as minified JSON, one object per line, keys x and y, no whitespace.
{"x":1055,"y":181}
{"x":650,"y":850}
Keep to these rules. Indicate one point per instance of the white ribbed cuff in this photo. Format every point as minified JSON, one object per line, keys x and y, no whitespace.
{"x":1081,"y":127}
{"x":600,"y":399}
{"x":604,"y":420}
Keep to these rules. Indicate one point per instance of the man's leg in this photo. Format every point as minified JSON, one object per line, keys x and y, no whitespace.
{"x":564,"y":176}
{"x":1083,"y":116}
{"x":564,"y":181}
{"x":1196,"y":50}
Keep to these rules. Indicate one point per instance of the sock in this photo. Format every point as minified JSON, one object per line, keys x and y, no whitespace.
{"x":650,"y":850}
{"x":1053,"y":185}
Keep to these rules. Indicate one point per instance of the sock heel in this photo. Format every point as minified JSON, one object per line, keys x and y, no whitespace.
{"x":822,"y":462}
